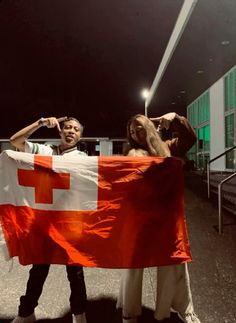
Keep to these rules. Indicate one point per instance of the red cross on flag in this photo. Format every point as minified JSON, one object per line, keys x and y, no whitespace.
{"x":109,"y":212}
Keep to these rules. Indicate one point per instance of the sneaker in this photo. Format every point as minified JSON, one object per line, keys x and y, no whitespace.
{"x":190,"y":318}
{"x":28,"y":319}
{"x":129,"y":320}
{"x":80,"y":318}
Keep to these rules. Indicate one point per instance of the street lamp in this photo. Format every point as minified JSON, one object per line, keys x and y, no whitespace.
{"x":145,"y":94}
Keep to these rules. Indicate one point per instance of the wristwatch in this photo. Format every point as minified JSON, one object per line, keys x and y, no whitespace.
{"x":42,"y":121}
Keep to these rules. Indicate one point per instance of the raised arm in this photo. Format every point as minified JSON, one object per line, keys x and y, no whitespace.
{"x":19,"y":138}
{"x":185,"y":136}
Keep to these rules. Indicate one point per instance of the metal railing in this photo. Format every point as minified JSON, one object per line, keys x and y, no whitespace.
{"x":220,"y":216}
{"x":208,"y":167}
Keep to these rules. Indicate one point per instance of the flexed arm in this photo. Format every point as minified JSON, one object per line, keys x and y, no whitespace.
{"x":185,"y":134}
{"x":19,"y":138}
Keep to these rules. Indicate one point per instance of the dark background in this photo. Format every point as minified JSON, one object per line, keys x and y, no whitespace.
{"x":90,"y":59}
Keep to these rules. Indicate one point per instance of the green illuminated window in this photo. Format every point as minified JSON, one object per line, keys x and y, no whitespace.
{"x":207,"y":138}
{"x":199,"y":111}
{"x":203,"y":108}
{"x":229,"y":141}
{"x":204,"y":138}
{"x":193,"y":114}
{"x":199,"y":117}
{"x":230,"y":90}
{"x":200,"y":134}
{"x":229,"y":131}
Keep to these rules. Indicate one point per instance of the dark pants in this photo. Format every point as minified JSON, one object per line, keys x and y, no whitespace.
{"x":37,"y":277}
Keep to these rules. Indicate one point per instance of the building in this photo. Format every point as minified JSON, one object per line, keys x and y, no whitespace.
{"x":213,"y":115}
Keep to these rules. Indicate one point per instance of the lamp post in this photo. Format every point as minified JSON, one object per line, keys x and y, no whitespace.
{"x":145,"y":94}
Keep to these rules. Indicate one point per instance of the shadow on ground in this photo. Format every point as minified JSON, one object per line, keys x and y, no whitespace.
{"x":104,"y":310}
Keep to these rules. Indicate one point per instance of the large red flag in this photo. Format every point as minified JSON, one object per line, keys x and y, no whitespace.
{"x":110,"y":212}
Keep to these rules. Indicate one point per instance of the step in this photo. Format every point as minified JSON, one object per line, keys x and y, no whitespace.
{"x":230,"y":208}
{"x":199,"y":182}
{"x":226,"y":195}
{"x":231,"y":190}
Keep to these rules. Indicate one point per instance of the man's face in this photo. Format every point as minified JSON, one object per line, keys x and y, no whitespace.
{"x":70,"y":133}
{"x":137,"y":132}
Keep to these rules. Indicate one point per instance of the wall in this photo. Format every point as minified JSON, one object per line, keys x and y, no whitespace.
{"x":217,"y":131}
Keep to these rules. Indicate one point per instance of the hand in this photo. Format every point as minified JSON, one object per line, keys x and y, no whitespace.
{"x":54,"y":122}
{"x":164,"y":121}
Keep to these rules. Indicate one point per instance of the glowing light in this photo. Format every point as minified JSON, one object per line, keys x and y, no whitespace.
{"x":145,"y":93}
{"x":225,"y":42}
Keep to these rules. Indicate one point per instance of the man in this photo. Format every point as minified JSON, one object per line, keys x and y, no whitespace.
{"x":70,"y":131}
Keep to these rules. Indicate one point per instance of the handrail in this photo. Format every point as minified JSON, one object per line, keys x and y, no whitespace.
{"x":220,"y":222}
{"x":208,"y":168}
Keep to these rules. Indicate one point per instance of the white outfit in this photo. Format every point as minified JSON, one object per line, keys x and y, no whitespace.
{"x":173,"y":292}
{"x":42,"y":149}
{"x":173,"y":285}
{"x":3,"y":246}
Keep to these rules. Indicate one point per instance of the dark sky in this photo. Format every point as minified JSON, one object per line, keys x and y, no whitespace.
{"x":80,"y":58}
{"x":90,"y":59}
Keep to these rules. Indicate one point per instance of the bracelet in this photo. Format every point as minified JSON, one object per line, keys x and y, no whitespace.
{"x":41,"y":122}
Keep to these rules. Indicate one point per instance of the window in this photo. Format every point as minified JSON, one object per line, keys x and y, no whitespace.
{"x":200,"y":139}
{"x":199,"y":117}
{"x":230,"y":90}
{"x":192,"y":114}
{"x":203,"y":108}
{"x":229,"y":141}
{"x":204,"y":138}
{"x":229,"y":131}
{"x":199,"y":110}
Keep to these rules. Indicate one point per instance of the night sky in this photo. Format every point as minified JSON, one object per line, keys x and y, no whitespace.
{"x":91,"y":59}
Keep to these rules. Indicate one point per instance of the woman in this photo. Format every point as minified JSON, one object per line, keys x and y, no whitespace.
{"x":173,"y":287}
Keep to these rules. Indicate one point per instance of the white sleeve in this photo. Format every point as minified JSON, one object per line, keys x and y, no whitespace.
{"x":38,"y":149}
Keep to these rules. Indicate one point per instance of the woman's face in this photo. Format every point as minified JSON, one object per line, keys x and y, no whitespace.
{"x":138,"y":132}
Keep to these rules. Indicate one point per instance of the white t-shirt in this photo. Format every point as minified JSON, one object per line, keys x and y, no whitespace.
{"x":41,"y":149}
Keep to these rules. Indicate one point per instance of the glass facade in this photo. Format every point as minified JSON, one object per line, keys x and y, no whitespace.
{"x":203,"y":108}
{"x":199,"y":117}
{"x":230,"y":90}
{"x":230,"y":116}
{"x":229,"y":131}
{"x":230,"y":141}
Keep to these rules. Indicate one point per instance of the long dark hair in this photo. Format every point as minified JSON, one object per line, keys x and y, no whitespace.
{"x":154,"y":144}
